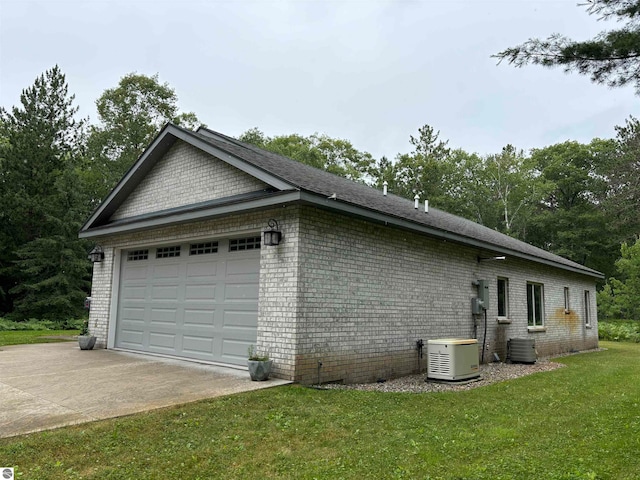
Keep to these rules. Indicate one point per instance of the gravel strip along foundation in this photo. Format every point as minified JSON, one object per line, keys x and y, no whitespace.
{"x":489,"y":373}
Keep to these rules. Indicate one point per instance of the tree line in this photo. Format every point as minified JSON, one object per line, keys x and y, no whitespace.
{"x":576,"y":200}
{"x":55,"y":168}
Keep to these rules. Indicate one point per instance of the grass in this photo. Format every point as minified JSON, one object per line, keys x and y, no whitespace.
{"x":579,"y":422}
{"x":35,"y":331}
{"x":619,"y":330}
{"x":35,"y":336}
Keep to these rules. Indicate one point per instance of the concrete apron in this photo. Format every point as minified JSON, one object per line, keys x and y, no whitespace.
{"x":51,"y":385}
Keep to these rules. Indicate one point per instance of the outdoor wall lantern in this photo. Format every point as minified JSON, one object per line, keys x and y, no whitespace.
{"x":96,"y":255}
{"x":273,"y":235}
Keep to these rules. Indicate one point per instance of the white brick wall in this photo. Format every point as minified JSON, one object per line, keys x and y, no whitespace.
{"x":279,"y":300}
{"x":186,"y":175}
{"x":368,"y":293}
{"x":101,"y":297}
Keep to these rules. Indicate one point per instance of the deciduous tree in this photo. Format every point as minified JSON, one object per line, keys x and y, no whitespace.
{"x":620,"y":297}
{"x":130,"y":115}
{"x":571,"y":220}
{"x":320,"y":151}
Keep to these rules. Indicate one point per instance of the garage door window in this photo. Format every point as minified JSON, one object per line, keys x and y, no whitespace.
{"x":203,"y":248}
{"x":135,"y":255}
{"x":249,"y":243}
{"x":168,"y":252}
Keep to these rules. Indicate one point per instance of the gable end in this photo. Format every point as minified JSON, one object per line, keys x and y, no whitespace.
{"x":186,"y":175}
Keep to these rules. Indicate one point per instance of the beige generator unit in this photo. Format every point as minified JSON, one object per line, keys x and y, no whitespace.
{"x":452,"y":359}
{"x":522,"y":350}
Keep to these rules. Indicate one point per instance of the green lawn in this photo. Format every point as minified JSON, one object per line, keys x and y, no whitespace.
{"x":579,"y":422}
{"x":17,"y":337}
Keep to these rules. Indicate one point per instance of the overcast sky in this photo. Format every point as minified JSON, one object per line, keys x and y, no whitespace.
{"x":370,"y":71}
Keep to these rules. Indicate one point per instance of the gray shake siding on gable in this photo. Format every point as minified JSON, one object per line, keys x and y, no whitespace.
{"x":352,"y":294}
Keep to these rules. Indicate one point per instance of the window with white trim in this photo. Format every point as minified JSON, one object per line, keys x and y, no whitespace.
{"x":503,"y":297}
{"x":567,"y":303}
{"x":535,"y":304}
{"x":587,"y":308}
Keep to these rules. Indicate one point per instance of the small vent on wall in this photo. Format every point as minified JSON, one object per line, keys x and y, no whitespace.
{"x":439,"y":363}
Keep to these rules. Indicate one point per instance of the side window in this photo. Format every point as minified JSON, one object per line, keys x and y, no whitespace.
{"x":535,"y":304}
{"x":587,"y":308}
{"x":503,"y":297}
{"x":567,"y":303}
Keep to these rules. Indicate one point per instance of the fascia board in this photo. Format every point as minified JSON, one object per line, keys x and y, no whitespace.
{"x":192,"y":216}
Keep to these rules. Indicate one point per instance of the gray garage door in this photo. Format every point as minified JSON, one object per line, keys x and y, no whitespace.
{"x":195,"y":300}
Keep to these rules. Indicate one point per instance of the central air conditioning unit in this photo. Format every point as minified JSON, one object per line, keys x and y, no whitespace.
{"x":522,"y":350}
{"x":452,"y":359}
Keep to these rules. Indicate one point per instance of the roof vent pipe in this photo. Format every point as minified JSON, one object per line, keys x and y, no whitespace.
{"x":416,"y":201}
{"x":426,"y":206}
{"x":384,"y":188}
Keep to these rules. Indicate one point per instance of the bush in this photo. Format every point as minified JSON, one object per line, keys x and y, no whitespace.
{"x":620,"y":297}
{"x":619,"y":331}
{"x":43,"y":325}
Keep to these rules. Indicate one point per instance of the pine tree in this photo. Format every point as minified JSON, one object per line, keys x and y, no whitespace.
{"x":43,"y":265}
{"x":611,"y":58}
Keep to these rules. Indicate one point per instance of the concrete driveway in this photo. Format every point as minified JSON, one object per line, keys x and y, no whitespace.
{"x":51,"y":385}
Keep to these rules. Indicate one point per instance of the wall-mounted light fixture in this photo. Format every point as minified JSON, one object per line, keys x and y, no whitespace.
{"x":273,"y":235}
{"x":96,"y":255}
{"x":490,"y":259}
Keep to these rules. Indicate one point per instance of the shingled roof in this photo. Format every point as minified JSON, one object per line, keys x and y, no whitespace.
{"x":314,"y":186}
